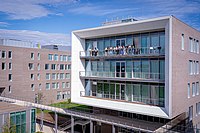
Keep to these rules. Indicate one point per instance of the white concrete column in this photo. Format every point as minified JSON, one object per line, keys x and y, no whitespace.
{"x":72,"y":124}
{"x":41,"y":120}
{"x":56,"y":122}
{"x":113,"y":128}
{"x":91,"y":126}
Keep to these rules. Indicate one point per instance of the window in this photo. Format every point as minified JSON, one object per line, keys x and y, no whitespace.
{"x":3,"y":66}
{"x":10,"y":54}
{"x":190,"y":113}
{"x":56,"y":57}
{"x":54,"y":85}
{"x":69,"y":67}
{"x":32,"y":87}
{"x":190,"y":67}
{"x":50,"y":57}
{"x":54,"y":76}
{"x":197,"y":67}
{"x":38,"y":76}
{"x":57,"y":85}
{"x":58,"y":67}
{"x":67,"y":76}
{"x":53,"y":66}
{"x":31,"y":66}
{"x":62,"y":76}
{"x":67,"y":84}
{"x":194,"y":46}
{"x":198,"y":108}
{"x":197,"y":47}
{"x":197,"y":88}
{"x":10,"y":66}
{"x":9,"y":89}
{"x":32,"y":56}
{"x":9,"y":77}
{"x":65,"y":95}
{"x":61,"y":58}
{"x":38,"y":56}
{"x":46,"y":67}
{"x":40,"y":87}
{"x":61,"y":66}
{"x":58,"y":76}
{"x":38,"y":66}
{"x":188,"y":90}
{"x":193,"y":89}
{"x":47,"y":86}
{"x":58,"y":95}
{"x":63,"y":84}
{"x":191,"y":44}
{"x":64,"y":58}
{"x":47,"y":76}
{"x":3,"y":54}
{"x":69,"y":58}
{"x":182,"y":42}
{"x":32,"y":76}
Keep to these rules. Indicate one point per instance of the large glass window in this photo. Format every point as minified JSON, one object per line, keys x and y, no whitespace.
{"x":154,"y":42}
{"x":162,"y":42}
{"x":136,"y":41}
{"x":145,"y":43}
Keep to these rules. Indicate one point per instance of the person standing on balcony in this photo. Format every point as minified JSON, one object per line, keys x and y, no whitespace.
{"x":96,"y":51}
{"x":106,"y":51}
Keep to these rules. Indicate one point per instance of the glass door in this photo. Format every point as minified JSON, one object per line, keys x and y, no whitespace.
{"x":117,"y":91}
{"x":120,"y":69}
{"x":123,"y":66}
{"x":122,"y":91}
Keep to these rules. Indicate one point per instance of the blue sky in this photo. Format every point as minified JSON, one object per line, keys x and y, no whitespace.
{"x":51,"y":21}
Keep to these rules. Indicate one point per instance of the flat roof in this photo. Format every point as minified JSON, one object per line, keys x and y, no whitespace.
{"x":10,"y":107}
{"x":158,"y":23}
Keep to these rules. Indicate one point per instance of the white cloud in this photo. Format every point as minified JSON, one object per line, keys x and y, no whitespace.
{"x":36,"y":36}
{"x":4,"y":24}
{"x":29,"y":9}
{"x":96,"y":10}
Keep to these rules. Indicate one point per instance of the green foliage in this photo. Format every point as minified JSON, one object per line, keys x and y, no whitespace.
{"x":7,"y":128}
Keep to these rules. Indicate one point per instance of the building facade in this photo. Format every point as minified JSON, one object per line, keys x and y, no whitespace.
{"x":17,"y":119}
{"x":147,"y":68}
{"x":39,"y":75}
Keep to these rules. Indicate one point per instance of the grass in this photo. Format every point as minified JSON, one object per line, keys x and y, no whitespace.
{"x":68,"y":105}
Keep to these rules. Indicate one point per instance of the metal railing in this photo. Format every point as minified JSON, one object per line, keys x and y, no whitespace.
{"x":123,"y":51}
{"x":77,"y":113}
{"x":129,"y":75}
{"x":124,"y":97}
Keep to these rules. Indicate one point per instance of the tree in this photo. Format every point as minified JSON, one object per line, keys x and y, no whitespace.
{"x":8,"y":127}
{"x":39,"y":98}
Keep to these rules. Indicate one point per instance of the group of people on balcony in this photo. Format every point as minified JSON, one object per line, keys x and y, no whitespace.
{"x":122,"y":50}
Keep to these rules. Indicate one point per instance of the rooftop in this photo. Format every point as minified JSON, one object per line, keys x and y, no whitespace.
{"x":8,"y":107}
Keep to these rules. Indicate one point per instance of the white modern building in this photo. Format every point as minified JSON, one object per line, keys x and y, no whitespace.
{"x":146,"y":68}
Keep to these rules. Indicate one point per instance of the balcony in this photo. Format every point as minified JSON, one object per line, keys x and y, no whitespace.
{"x":124,"y":76}
{"x":125,"y":98}
{"x":156,"y":52}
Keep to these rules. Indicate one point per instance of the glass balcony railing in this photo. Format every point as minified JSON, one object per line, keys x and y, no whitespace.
{"x":124,"y":52}
{"x":126,"y":75}
{"x":130,"y":98}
